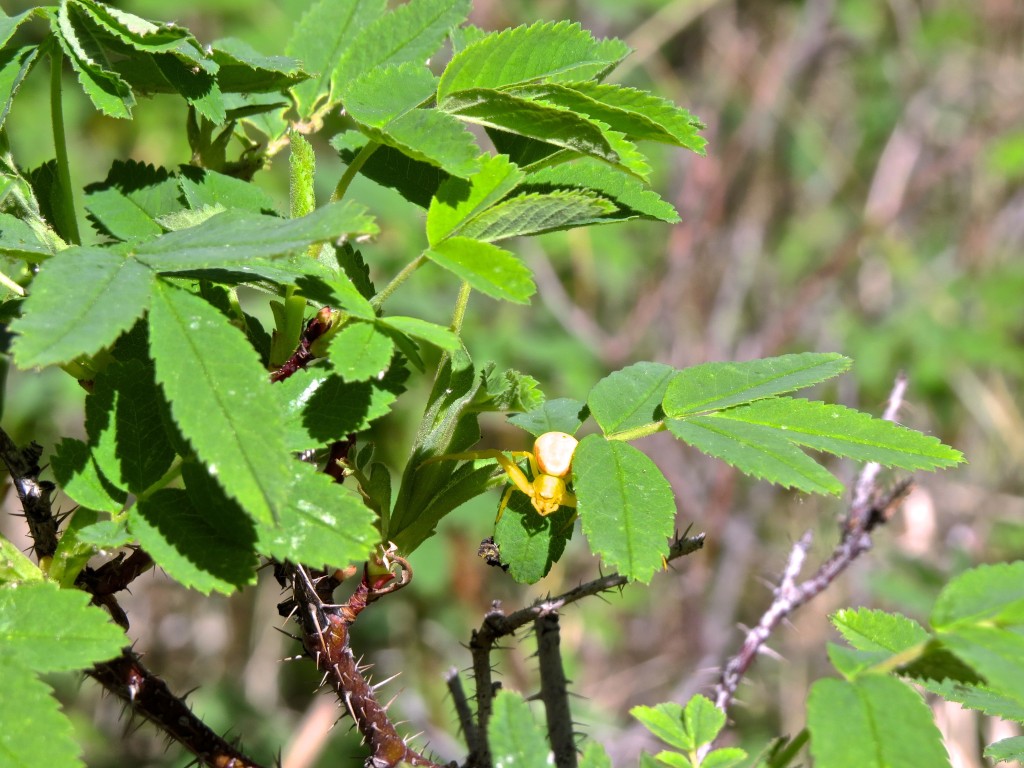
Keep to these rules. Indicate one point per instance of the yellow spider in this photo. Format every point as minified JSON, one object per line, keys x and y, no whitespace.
{"x":550,"y":464}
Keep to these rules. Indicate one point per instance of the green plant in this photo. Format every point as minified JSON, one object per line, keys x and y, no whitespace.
{"x":206,"y":431}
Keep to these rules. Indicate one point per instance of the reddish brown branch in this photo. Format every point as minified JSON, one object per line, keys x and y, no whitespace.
{"x":303,"y":355}
{"x":325,"y":636}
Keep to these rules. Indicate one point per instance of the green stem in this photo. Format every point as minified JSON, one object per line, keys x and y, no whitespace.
{"x":385,"y":293}
{"x":60,"y":149}
{"x":169,"y":477}
{"x":637,"y":432}
{"x":460,"y":307}
{"x":353,"y":169}
{"x":901,"y":659}
{"x":10,"y":285}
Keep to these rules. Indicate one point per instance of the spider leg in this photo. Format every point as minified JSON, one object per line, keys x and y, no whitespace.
{"x":504,"y":502}
{"x":515,"y":474}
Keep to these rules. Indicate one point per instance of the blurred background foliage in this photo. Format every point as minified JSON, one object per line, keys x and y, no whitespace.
{"x":861,"y":193}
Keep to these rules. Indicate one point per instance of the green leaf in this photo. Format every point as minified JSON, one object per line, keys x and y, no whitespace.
{"x":384,"y":94}
{"x":233,"y":237}
{"x":625,"y":504}
{"x":558,"y":52}
{"x":244,"y":69}
{"x":875,"y":722}
{"x":69,"y":312}
{"x":320,"y":39}
{"x":560,"y":415}
{"x":514,"y":735}
{"x":530,"y":543}
{"x":714,"y":386}
{"x":360,"y":351}
{"x":340,"y":292}
{"x":845,"y":432}
{"x":72,"y":554}
{"x":220,"y":397}
{"x":486,"y":267}
{"x":200,"y":548}
{"x":666,"y":722}
{"x":673,"y":759}
{"x":872,"y":630}
{"x":977,"y":697}
{"x":411,"y":32}
{"x":1005,"y":750}
{"x":15,"y":64}
{"x":31,"y":637}
{"x":594,"y":756}
{"x":724,"y":758}
{"x":79,"y":477}
{"x":551,"y":125}
{"x":20,"y":241}
{"x":438,"y":335}
{"x":34,"y":724}
{"x":15,"y":566}
{"x":757,"y":451}
{"x":414,"y":180}
{"x":535,"y":213}
{"x":630,"y":195}
{"x":459,"y":201}
{"x":989,"y":593}
{"x":320,"y":407}
{"x":630,"y":398}
{"x":995,"y":654}
{"x":384,"y":102}
{"x":203,"y":187}
{"x":143,"y":452}
{"x":322,"y":524}
{"x":106,"y":89}
{"x":637,"y":114}
{"x":703,"y":720}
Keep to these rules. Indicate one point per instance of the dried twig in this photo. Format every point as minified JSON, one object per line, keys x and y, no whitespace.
{"x":868,"y":508}
{"x":554,"y":691}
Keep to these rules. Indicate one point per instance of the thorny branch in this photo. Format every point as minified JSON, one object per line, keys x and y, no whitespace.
{"x":497,"y":624}
{"x":869,"y":507}
{"x":325,"y":637}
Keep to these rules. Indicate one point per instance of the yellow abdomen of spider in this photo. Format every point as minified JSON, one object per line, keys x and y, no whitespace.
{"x":550,"y":464}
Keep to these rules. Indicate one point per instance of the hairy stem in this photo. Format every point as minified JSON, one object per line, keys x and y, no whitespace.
{"x":385,"y":293}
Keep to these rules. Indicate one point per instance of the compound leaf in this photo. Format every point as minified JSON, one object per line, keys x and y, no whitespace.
{"x":69,"y":312}
{"x":625,"y":504}
{"x":458,"y":201}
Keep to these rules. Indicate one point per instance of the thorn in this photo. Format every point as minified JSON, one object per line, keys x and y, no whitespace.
{"x":348,"y":705}
{"x":382,"y":683}
{"x":391,"y":701}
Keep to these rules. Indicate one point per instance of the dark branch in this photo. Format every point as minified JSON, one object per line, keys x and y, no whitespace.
{"x":34,"y":494}
{"x":554,"y":691}
{"x":147,"y":695}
